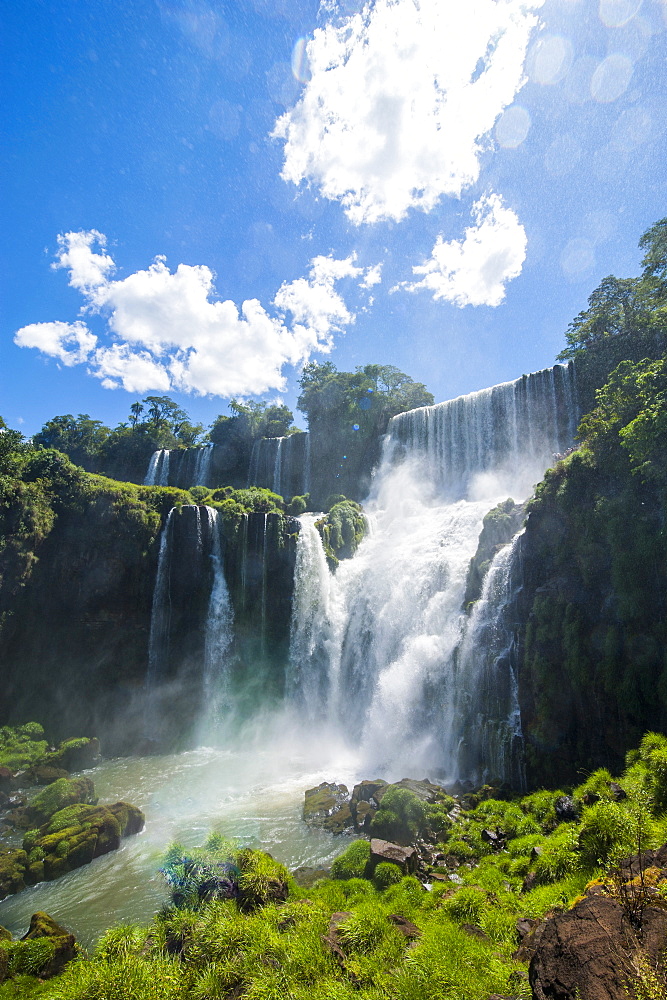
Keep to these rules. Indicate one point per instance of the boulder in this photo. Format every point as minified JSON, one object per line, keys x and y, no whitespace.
{"x":65,"y":948}
{"x":76,"y":754}
{"x":75,"y":836}
{"x":13,"y":864}
{"x":45,"y":774}
{"x":56,"y":796}
{"x":592,"y":952}
{"x":424,"y":790}
{"x":566,"y":809}
{"x":327,"y":806}
{"x":405,"y":926}
{"x":405,"y":857}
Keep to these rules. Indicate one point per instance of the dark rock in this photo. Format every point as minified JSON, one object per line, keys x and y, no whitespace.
{"x":332,"y":939}
{"x":43,"y":926}
{"x":363,"y":815}
{"x":529,"y":882}
{"x":424,"y":790}
{"x":617,"y":793}
{"x":5,"y":935}
{"x":406,"y":927}
{"x":530,"y":939}
{"x":77,"y":754}
{"x":525,"y":925}
{"x":405,"y":857}
{"x":6,"y":776}
{"x":45,"y":774}
{"x":592,"y":951}
{"x":77,"y":835}
{"x":473,"y":930}
{"x":306,"y":877}
{"x":62,"y":793}
{"x":590,"y":798}
{"x":495,"y":838}
{"x":565,"y":809}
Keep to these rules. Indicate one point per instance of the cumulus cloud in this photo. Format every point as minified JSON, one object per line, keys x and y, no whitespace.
{"x":400,"y":99}
{"x":474,"y":271}
{"x":166,"y":330}
{"x":70,"y":343}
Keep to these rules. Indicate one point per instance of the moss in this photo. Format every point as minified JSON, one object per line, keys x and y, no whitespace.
{"x":62,"y":793}
{"x":342,"y":530}
{"x":22,"y":746}
{"x":13,"y":864}
{"x":400,"y":818}
{"x":498,"y":528}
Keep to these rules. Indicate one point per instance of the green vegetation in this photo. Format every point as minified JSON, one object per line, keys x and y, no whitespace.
{"x":595,"y":549}
{"x":237,"y":924}
{"x":342,"y":529}
{"x":348,"y":413}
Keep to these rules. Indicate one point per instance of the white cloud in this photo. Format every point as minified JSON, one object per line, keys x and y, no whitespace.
{"x":70,"y":343}
{"x":400,"y":98}
{"x":167,"y":331}
{"x":475,"y":270}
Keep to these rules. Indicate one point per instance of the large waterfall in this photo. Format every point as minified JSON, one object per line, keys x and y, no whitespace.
{"x":382,"y":649}
{"x":381,"y":652}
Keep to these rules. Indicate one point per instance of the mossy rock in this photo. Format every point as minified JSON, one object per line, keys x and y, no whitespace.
{"x":45,"y":774}
{"x":57,"y":796}
{"x":76,"y":754}
{"x":76,"y":835}
{"x":44,"y":928}
{"x":5,"y":935}
{"x":323,"y":801}
{"x":13,"y":865}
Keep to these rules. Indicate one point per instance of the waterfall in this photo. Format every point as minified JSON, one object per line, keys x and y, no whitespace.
{"x":489,"y":744}
{"x":498,"y":440}
{"x":218,"y":630}
{"x":307,"y":682}
{"x":280,"y":464}
{"x":383,"y":646}
{"x":158,"y":640}
{"x":157,"y":473}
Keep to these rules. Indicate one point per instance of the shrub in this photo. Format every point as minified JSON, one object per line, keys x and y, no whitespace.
{"x":352,"y":863}
{"x":386,"y":874}
{"x":467,"y":905}
{"x":607,"y":830}
{"x":400,"y":817}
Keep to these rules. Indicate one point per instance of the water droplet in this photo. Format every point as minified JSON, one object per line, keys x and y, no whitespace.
{"x":513,"y":126}
{"x":611,"y":78}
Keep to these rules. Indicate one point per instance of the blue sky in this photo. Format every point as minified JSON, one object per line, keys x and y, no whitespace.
{"x":201,"y":196}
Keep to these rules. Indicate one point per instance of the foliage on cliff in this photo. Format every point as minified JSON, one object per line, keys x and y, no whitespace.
{"x":77,"y":553}
{"x":342,"y":529}
{"x":348,"y":413}
{"x":594,"y":672}
{"x":626,"y":319}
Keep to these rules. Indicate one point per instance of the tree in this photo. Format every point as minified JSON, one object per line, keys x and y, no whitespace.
{"x":81,"y":438}
{"x":136,"y":410}
{"x":625,"y":319}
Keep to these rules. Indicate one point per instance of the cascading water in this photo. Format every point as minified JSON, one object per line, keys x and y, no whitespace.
{"x":311,"y":634}
{"x":391,"y":636}
{"x":158,"y":640}
{"x":157,"y":473}
{"x":280,"y":464}
{"x":487,"y":699}
{"x":218,"y":630}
